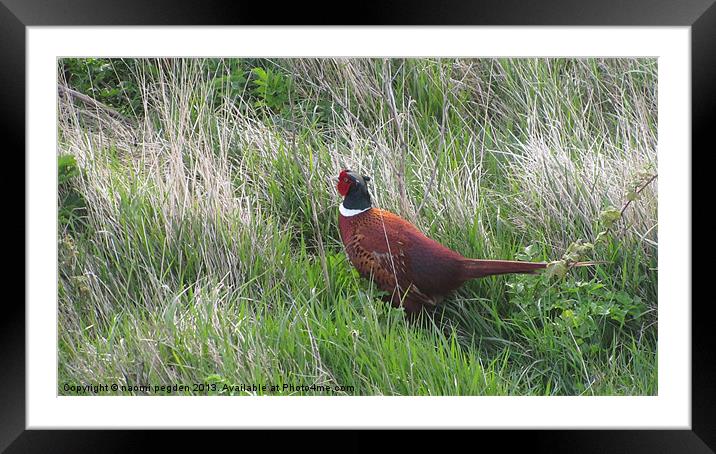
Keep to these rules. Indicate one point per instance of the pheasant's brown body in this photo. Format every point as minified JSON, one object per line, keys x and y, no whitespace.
{"x":416,"y":270}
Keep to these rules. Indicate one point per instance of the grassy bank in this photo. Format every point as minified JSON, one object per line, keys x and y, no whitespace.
{"x":198,"y":239}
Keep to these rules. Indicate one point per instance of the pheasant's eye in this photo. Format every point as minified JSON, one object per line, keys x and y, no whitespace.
{"x":345,"y":180}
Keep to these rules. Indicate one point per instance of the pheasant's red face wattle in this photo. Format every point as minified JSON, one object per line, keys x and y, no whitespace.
{"x":344,"y":183}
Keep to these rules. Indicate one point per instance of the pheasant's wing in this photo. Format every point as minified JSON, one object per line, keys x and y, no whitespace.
{"x":430,"y":267}
{"x":375,"y":258}
{"x":379,"y":250}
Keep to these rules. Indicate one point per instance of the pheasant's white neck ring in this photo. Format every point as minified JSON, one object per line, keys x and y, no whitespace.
{"x":347,"y":212}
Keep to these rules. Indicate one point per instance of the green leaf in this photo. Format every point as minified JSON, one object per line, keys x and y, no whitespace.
{"x":600,"y":237}
{"x":568,"y":316}
{"x":609,"y":216}
{"x":531,"y":250}
{"x":556,"y":269}
{"x":576,"y":250}
{"x":260,"y":73}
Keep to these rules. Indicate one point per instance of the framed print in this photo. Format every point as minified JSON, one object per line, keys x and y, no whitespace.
{"x":360,"y":227}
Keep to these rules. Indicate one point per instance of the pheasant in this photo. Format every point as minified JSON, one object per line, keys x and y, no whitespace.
{"x":415,"y":270}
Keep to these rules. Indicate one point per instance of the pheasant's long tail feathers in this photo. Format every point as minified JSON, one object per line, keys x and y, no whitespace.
{"x":474,"y":268}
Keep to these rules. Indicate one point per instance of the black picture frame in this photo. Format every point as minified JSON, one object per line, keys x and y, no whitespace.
{"x":700,"y":15}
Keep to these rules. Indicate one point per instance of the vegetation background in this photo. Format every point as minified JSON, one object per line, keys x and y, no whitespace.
{"x":198,"y":240}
